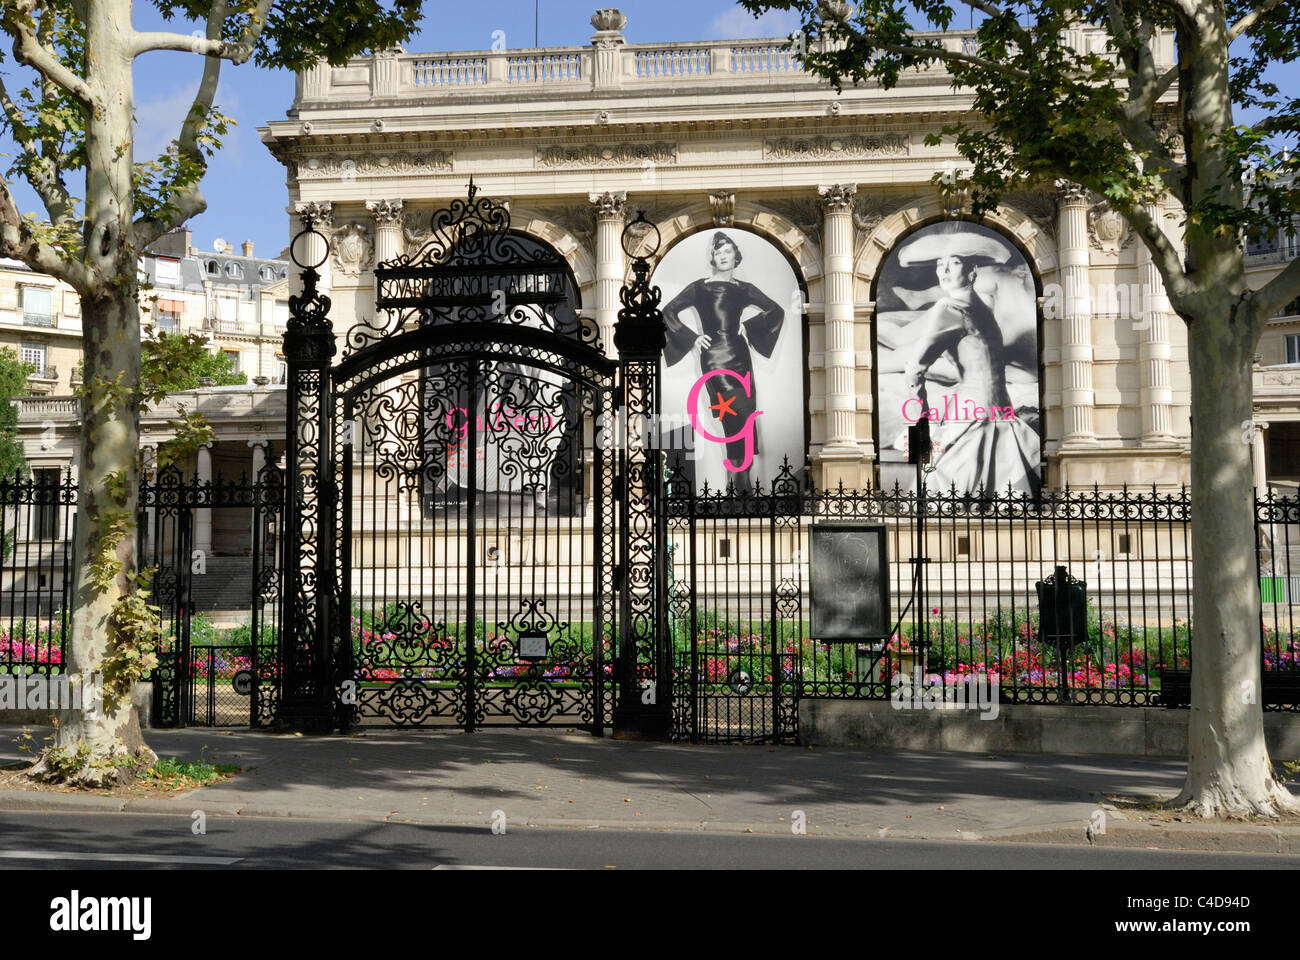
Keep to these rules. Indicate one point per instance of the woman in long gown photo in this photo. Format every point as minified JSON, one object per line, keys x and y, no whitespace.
{"x":723,"y":343}
{"x":988,"y":452}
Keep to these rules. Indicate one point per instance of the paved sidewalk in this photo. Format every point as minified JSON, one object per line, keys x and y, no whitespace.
{"x":558,"y":778}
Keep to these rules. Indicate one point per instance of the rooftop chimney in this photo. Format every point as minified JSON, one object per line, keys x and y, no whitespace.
{"x":248,"y":248}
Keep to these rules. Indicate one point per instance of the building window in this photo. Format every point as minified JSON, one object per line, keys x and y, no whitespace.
{"x":1293,"y":348}
{"x":38,"y":306}
{"x":47,"y":503}
{"x":233,"y":357}
{"x":227,"y":312}
{"x":268,"y":273}
{"x":35,"y":355}
{"x":1262,"y":245}
{"x":281,"y":371}
{"x":212,"y":269}
{"x":167,"y":270}
{"x":232,"y":270}
{"x":281,"y":314}
{"x":169,"y":314}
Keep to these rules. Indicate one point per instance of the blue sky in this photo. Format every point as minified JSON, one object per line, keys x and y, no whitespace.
{"x":245,"y":186}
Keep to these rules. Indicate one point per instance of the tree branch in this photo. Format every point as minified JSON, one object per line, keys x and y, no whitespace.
{"x":1250,"y":19}
{"x":44,"y":173}
{"x":1164,"y":254}
{"x":948,"y":56}
{"x":28,"y":50}
{"x":1275,"y":294}
{"x":211,"y":46}
{"x":187,"y":200}
{"x":1137,"y":127}
{"x":18,"y":241}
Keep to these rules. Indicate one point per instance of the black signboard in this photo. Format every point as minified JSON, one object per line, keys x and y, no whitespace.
{"x":849,"y":573}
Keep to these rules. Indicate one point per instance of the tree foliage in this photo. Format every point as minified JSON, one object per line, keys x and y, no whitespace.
{"x":174,"y":361}
{"x":13,"y":383}
{"x":1114,"y":120}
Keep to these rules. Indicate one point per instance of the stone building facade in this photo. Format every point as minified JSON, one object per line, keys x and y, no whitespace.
{"x":735,"y":134}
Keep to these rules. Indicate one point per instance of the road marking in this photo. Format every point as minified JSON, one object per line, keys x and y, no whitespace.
{"x":127,"y":857}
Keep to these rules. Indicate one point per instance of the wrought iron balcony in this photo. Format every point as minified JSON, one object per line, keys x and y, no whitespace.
{"x":38,"y":320}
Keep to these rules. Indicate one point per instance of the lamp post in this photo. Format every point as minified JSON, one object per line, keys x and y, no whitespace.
{"x":644,"y":662}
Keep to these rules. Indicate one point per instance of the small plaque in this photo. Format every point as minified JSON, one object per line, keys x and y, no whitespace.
{"x":849,"y":574}
{"x":243,"y":682}
{"x":532,"y":646}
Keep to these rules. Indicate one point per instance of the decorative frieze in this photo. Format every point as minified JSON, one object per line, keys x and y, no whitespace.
{"x":373,"y":164}
{"x":606,"y":155}
{"x":852,"y":146}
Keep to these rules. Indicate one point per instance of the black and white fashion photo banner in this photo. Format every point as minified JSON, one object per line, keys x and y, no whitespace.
{"x":733,"y":366}
{"x":957,"y":344}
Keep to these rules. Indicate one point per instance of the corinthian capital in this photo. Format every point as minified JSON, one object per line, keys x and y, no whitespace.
{"x":385,"y":211}
{"x":315,"y":213}
{"x":609,"y":205}
{"x":838,"y":197}
{"x":1068,"y":193}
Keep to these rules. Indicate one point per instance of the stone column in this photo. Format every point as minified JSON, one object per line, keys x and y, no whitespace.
{"x":261,"y":449}
{"x":1258,"y":462}
{"x":1156,"y":394}
{"x":611,"y":266}
{"x":837,"y":273}
{"x":388,"y":228}
{"x":203,"y":515}
{"x":1076,"y":321}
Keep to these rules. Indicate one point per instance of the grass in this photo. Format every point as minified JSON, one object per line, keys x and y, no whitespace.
{"x":174,"y":774}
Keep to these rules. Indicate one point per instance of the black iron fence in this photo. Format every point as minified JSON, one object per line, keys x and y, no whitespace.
{"x":214,"y":548}
{"x":967,"y":597}
{"x":1074,"y":597}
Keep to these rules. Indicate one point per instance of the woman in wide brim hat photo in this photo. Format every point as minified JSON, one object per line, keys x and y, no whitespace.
{"x":980,"y":453}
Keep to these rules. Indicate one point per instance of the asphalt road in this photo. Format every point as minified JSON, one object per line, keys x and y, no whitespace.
{"x":114,"y":841}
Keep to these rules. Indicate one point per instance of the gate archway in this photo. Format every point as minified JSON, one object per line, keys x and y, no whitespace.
{"x":463,"y":549}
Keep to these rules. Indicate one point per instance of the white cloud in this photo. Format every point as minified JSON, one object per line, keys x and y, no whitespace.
{"x":158,"y":122}
{"x":738,"y":23}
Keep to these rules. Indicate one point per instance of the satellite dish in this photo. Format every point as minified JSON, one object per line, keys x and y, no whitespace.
{"x":219,"y":245}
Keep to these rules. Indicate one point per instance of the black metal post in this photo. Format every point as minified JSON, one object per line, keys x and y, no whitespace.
{"x":305,"y":639}
{"x":643,"y":711}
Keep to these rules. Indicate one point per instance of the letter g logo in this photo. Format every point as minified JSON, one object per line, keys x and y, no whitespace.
{"x":746,"y":432}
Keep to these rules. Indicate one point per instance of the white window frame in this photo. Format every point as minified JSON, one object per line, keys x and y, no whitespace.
{"x":26,"y":289}
{"x":172,"y":273}
{"x":37,"y":354}
{"x":1292,"y":344}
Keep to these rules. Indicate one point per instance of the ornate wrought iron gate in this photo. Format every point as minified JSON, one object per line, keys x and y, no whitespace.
{"x":203,"y":678}
{"x":453,"y":501}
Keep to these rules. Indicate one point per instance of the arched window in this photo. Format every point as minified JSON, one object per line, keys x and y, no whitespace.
{"x":232,"y":270}
{"x":212,"y":269}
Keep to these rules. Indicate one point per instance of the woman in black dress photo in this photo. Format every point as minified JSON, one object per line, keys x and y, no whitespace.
{"x":723,"y":342}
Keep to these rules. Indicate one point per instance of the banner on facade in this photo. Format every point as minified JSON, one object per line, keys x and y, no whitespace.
{"x":733,"y":363}
{"x":956,"y":328}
